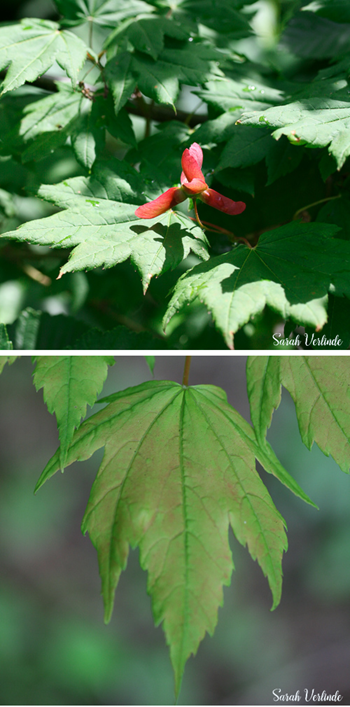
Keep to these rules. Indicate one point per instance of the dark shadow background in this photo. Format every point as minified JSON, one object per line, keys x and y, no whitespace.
{"x":54,"y":646}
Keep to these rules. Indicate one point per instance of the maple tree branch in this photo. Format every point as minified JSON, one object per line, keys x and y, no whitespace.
{"x":186,"y":370}
{"x":157,"y":113}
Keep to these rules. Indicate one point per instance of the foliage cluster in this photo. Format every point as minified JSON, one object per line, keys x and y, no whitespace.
{"x":98,"y":102}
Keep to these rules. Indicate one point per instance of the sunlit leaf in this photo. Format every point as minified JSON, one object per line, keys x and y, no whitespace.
{"x":30,"y":47}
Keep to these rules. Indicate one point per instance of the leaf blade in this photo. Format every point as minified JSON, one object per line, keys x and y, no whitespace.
{"x":179,"y":516}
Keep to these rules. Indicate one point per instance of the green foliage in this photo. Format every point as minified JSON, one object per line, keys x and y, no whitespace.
{"x":106,"y":233}
{"x":179,"y":469}
{"x":237,"y":286}
{"x":98,"y":103}
{"x":30,"y":48}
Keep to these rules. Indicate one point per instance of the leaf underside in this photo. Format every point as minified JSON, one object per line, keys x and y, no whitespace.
{"x":70,"y":383}
{"x":161,"y":488}
{"x":319,"y":387}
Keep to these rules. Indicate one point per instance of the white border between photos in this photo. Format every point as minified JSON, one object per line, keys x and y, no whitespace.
{"x":175,"y":352}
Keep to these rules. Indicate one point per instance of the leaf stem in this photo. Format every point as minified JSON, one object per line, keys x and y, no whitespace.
{"x":148,"y":120}
{"x":314,"y":203}
{"x":190,"y":115}
{"x":186,"y":370}
{"x":197,"y":215}
{"x":91,"y":25}
{"x":218,"y":229}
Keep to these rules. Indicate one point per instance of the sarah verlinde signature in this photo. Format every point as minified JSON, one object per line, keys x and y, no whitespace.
{"x":308,"y":341}
{"x":309,"y":696}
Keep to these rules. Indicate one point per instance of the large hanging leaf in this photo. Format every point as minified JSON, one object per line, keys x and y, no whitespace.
{"x":178,"y":469}
{"x":319,"y":387}
{"x":30,"y":47}
{"x":70,"y":384}
{"x":285,"y":270}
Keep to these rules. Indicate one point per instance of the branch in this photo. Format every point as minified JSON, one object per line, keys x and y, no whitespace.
{"x":158,"y":113}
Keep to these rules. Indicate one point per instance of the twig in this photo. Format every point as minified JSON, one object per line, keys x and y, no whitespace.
{"x":315,"y":203}
{"x":218,"y":230}
{"x":36,"y":275}
{"x":186,"y":370}
{"x":158,"y":113}
{"x":197,"y":215}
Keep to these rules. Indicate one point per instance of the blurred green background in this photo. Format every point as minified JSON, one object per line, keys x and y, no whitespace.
{"x":54,"y":646}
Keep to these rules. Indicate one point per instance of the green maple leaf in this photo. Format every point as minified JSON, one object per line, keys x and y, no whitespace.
{"x":284,"y":271}
{"x":246,"y":147}
{"x":318,"y":121}
{"x":310,"y":36}
{"x":156,"y":79}
{"x":5,"y":343}
{"x":111,"y":179}
{"x":264,"y":391}
{"x":178,"y":469}
{"x":48,"y":122}
{"x":70,"y":384}
{"x":146,"y":33}
{"x":221,"y":16}
{"x":226,"y":94}
{"x":120,"y":78}
{"x":104,"y":233}
{"x":30,"y":47}
{"x":6,"y":359}
{"x":159,"y":77}
{"x":319,"y":387}
{"x":101,"y":12}
{"x":194,"y":63}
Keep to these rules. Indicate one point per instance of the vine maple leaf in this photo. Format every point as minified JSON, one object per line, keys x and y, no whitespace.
{"x":193,"y":185}
{"x":178,"y":469}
